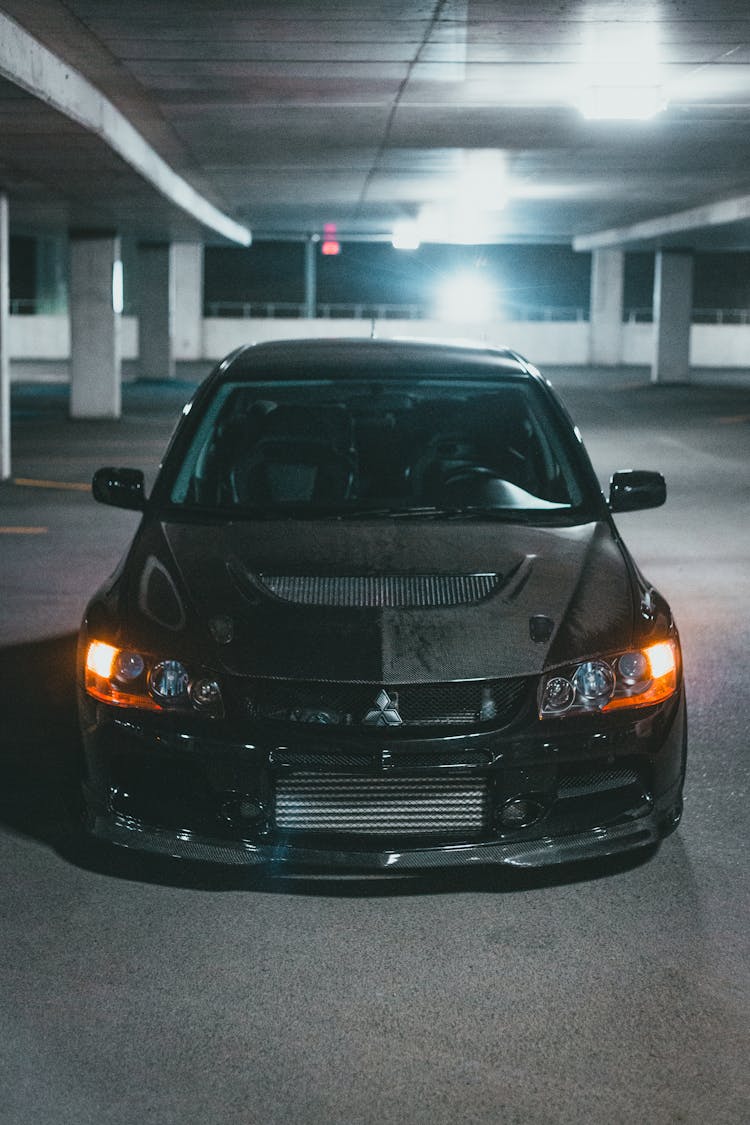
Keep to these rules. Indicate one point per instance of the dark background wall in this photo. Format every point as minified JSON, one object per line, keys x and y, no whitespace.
{"x":375,"y":273}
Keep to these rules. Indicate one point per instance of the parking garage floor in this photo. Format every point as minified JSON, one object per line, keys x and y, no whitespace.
{"x":139,"y":989}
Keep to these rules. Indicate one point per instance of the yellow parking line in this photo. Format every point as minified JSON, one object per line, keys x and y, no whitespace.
{"x":22,"y":530}
{"x":27,"y":482}
{"x":733,"y":418}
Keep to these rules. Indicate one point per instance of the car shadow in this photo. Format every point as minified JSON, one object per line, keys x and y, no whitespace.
{"x":41,"y":759}
{"x":40,"y":745}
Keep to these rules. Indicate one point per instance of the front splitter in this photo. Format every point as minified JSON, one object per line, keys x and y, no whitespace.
{"x":590,"y":844}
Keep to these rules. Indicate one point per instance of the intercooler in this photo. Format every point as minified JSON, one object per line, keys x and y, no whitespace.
{"x":381,"y":804}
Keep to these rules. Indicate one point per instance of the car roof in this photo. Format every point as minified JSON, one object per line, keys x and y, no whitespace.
{"x":372,"y":358}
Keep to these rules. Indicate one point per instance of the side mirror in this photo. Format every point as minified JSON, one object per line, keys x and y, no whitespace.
{"x":633,"y":489}
{"x":122,"y":488}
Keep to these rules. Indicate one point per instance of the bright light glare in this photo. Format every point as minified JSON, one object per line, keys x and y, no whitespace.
{"x":465,"y":214}
{"x":613,"y":103}
{"x":466,"y":298}
{"x":100,"y":658}
{"x":482,"y":182}
{"x":661,"y":658}
{"x":620,"y":74}
{"x":405,"y":236}
{"x":451,"y":222}
{"x":118,"y":287}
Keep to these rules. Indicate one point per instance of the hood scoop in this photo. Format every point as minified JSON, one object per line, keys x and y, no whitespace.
{"x":387,"y":591}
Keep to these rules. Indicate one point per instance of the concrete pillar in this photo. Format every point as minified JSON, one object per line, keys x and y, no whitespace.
{"x":673,"y":307}
{"x":187,"y":264}
{"x":4,"y":342}
{"x":156,"y":310}
{"x":95,"y":325}
{"x":311,"y":294}
{"x":607,"y":272}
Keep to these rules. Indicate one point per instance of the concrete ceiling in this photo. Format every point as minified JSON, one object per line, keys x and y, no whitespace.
{"x":289,"y":115}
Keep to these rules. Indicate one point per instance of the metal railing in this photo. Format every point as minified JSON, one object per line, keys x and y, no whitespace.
{"x":645,"y":315}
{"x":364,"y":310}
{"x":22,"y":306}
{"x":368,"y":310}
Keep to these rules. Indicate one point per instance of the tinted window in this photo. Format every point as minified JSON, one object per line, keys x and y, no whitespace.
{"x":318,"y":446}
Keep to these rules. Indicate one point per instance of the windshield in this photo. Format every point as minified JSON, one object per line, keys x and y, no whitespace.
{"x":372,"y":448}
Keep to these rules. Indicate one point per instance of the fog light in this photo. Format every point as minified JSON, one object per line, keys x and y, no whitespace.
{"x":251,"y":810}
{"x":520,"y":812}
{"x":239,"y":809}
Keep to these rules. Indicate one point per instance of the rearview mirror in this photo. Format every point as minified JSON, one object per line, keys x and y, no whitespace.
{"x":122,"y":488}
{"x":633,"y":489}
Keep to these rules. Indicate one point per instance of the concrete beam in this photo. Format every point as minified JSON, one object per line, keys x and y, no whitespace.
{"x":30,"y":65}
{"x":694,"y":218}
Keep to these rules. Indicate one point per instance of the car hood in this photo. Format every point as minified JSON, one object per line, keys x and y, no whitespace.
{"x":386,"y":601}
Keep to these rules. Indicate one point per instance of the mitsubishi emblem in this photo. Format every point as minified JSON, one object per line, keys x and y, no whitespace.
{"x":385,"y":712}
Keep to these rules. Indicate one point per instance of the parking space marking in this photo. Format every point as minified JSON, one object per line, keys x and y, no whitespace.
{"x":28,"y":482}
{"x":23,"y":530}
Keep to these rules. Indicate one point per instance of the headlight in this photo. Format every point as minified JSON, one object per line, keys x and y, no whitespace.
{"x":126,"y":678}
{"x":636,"y":678}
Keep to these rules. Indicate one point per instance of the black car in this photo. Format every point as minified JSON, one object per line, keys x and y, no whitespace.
{"x":377,"y":615}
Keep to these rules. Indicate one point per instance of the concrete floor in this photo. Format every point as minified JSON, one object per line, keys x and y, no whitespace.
{"x":134,"y":989}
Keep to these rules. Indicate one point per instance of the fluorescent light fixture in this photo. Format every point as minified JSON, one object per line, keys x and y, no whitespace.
{"x":621,"y":103}
{"x":467,"y":298}
{"x":118,"y":287}
{"x":406,"y":236}
{"x":620,"y":76}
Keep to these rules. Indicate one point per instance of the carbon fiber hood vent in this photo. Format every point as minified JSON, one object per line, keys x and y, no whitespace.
{"x":393,"y":591}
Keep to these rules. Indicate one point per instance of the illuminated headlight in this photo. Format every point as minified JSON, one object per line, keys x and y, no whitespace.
{"x":127,"y":678}
{"x":636,"y":678}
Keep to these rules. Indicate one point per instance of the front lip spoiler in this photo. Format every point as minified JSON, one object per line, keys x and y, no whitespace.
{"x":590,"y":844}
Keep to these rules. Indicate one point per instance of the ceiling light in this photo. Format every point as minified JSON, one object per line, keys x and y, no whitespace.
{"x":405,"y":236}
{"x":620,"y":75}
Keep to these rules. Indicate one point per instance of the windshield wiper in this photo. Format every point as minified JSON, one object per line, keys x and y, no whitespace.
{"x":430,"y":511}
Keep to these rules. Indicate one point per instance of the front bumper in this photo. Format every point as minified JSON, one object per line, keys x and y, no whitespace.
{"x":592,"y":844}
{"x":599,"y":790}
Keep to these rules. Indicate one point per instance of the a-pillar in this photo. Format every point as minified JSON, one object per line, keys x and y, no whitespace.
{"x":4,"y":343}
{"x":187,"y":266}
{"x":156,"y":310}
{"x":607,"y":270}
{"x":95,"y":325}
{"x":673,"y":306}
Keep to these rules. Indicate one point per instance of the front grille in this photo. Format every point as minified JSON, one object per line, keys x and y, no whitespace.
{"x":284,"y":758}
{"x":464,"y":702}
{"x":384,"y":804}
{"x":394,"y":591}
